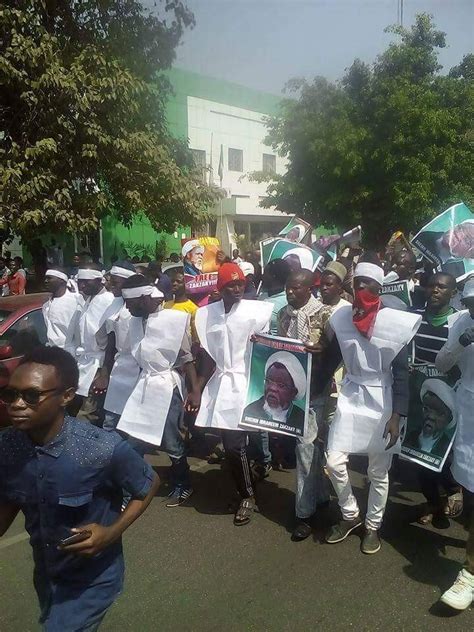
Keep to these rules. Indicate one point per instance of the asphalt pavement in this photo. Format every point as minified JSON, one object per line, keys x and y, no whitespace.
{"x":190,"y":569}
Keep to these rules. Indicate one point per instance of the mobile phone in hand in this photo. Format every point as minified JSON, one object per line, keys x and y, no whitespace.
{"x":75,"y":538}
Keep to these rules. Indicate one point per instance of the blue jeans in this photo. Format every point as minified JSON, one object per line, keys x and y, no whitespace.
{"x":172,"y":443}
{"x":312,"y":486}
{"x":260,"y":441}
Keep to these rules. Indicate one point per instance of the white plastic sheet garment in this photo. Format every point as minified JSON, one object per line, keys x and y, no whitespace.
{"x":92,"y":337}
{"x":365,"y":398}
{"x":454,"y":353}
{"x":126,"y":371}
{"x":226,"y":338}
{"x":156,"y":350}
{"x":61,"y":316}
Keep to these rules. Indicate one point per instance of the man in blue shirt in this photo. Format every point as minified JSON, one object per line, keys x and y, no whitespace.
{"x":67,"y":477}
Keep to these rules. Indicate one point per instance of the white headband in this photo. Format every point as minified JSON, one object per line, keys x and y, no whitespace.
{"x":121,"y":272}
{"x":370,"y":271}
{"x":58,"y":274}
{"x":85,"y":274}
{"x":142,"y":290}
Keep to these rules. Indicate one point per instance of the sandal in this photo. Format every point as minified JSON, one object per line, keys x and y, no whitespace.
{"x":426,"y":519}
{"x":244,"y":512}
{"x":427,"y":515}
{"x":454,"y":505}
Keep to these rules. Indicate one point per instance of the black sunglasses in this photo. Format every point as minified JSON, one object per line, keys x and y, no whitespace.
{"x":30,"y":396}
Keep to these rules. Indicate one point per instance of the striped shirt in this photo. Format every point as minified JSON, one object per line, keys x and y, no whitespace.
{"x":429,"y":339}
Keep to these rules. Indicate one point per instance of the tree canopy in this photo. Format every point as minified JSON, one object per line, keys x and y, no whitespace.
{"x":83,"y":129}
{"x":388,"y":147}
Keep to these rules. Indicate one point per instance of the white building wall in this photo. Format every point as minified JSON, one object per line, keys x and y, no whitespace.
{"x":212,"y":126}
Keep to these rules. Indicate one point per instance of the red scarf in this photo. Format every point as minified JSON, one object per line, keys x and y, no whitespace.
{"x":364,"y":311}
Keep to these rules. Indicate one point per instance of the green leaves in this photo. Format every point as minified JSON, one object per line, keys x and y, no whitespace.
{"x":389,"y":146}
{"x":82,"y":109}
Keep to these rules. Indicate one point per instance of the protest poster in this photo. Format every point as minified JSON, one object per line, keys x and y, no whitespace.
{"x":278,"y":390}
{"x":328,"y":245}
{"x":200,"y":264}
{"x":431,"y":420}
{"x":296,"y":230}
{"x":266,"y":247}
{"x":448,"y":241}
{"x":396,"y":295}
{"x":397,"y":243}
{"x":298,"y":256}
{"x":326,"y":250}
{"x":352,"y":237}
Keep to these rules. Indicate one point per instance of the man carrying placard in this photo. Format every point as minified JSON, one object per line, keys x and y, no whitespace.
{"x":428,"y":340}
{"x":224,"y":329}
{"x":304,"y":319}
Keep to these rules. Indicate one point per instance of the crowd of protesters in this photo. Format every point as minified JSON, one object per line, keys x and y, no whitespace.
{"x":131,"y":352}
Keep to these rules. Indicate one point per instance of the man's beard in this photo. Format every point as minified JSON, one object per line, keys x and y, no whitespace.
{"x":277,"y":413}
{"x":427,"y":443}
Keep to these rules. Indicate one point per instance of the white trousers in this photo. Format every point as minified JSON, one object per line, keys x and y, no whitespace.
{"x":377,"y":471}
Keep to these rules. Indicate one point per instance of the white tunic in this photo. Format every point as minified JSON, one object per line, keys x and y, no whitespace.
{"x":92,"y":336}
{"x":365,"y":400}
{"x":126,"y":371}
{"x":156,"y":350}
{"x":450,"y":354}
{"x":61,"y":316}
{"x":226,"y":338}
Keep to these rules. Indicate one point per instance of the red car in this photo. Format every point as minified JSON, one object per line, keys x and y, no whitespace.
{"x":22,"y":327}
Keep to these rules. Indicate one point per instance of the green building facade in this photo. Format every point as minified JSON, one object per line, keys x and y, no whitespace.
{"x":140,"y":238}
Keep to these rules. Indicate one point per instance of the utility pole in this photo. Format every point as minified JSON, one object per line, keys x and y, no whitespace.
{"x":400,"y":12}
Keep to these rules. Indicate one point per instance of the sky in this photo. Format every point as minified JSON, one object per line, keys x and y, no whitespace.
{"x":263,"y":43}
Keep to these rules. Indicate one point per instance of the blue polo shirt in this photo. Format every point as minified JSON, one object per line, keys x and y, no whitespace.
{"x":74,"y":480}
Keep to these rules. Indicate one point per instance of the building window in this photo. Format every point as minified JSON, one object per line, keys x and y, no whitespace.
{"x":235,"y":159}
{"x":269,"y":163}
{"x":199,"y":156}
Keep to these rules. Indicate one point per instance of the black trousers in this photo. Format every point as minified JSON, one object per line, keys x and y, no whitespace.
{"x":430,"y":483}
{"x":235,"y":446}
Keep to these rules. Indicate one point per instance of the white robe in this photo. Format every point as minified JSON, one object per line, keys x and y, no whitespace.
{"x":226,"y":338}
{"x":155,"y":350}
{"x":92,"y":337}
{"x":61,"y":316}
{"x":126,"y":371}
{"x":365,"y":399}
{"x":453,"y":353}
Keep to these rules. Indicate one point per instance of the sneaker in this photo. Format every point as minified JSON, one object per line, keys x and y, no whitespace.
{"x":370,"y":542}
{"x":179,"y":496}
{"x":340,"y":531}
{"x":461,"y":594}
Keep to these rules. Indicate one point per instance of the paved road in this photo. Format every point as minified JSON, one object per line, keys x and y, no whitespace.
{"x":190,"y":569}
